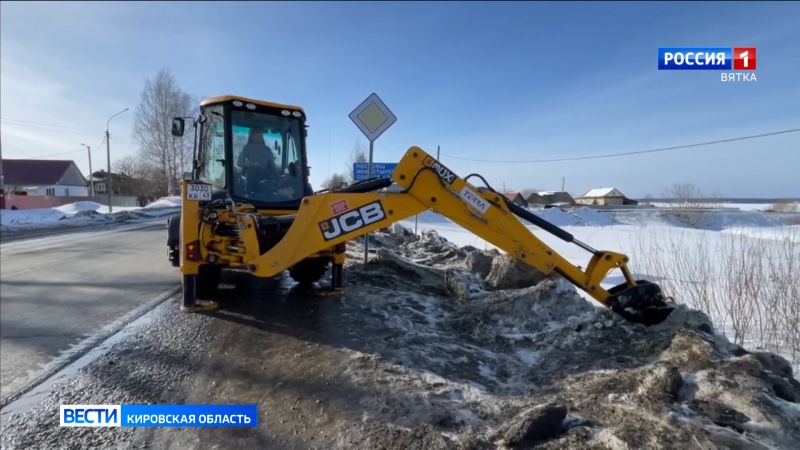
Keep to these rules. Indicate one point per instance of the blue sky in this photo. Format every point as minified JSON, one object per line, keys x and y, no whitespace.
{"x":505,"y":81}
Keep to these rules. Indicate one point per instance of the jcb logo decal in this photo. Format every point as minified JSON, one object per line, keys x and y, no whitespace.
{"x":444,"y":173}
{"x":352,"y":220}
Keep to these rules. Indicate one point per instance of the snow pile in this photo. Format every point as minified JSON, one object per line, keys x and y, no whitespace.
{"x":492,"y":370}
{"x":576,"y":217}
{"x":72,"y":209}
{"x":590,"y":216}
{"x":39,"y":216}
{"x":83,"y":213}
{"x":165,"y":202}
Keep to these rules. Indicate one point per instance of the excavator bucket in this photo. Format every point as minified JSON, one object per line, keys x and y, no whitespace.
{"x":643,"y":303}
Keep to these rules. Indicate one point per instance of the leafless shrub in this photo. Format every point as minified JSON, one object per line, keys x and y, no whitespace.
{"x":357,"y":155}
{"x":687,"y":195}
{"x":335,"y":181}
{"x":784,"y":207}
{"x":747,"y":285}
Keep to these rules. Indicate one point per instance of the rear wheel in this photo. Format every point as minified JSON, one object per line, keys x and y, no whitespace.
{"x":193,"y":300}
{"x":173,"y":256}
{"x":173,"y":240}
{"x":207,"y":281}
{"x":309,"y":270}
{"x":189,"y":284}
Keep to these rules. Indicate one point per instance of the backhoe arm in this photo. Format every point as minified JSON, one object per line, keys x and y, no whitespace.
{"x":327,"y":219}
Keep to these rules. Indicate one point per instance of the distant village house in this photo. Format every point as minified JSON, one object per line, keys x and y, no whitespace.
{"x":544,"y":198}
{"x":516,"y":197}
{"x":604,"y":196}
{"x":41,"y":177}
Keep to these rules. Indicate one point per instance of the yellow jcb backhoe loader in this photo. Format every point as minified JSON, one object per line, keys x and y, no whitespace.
{"x":247,"y":205}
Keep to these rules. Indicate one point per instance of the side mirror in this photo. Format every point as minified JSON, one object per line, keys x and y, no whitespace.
{"x":178,"y":124}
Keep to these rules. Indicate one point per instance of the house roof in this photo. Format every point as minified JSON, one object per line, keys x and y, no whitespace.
{"x":34,"y":172}
{"x":511,"y":195}
{"x":603,"y":192}
{"x":548,"y":196}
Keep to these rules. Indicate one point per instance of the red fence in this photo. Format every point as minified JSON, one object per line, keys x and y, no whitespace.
{"x":32,"y":201}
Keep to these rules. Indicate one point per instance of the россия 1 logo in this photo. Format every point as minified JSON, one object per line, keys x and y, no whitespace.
{"x":740,"y":62}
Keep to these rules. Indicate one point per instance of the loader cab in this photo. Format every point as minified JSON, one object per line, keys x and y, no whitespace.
{"x":253,"y":152}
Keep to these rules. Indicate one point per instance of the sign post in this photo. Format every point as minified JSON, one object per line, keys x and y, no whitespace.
{"x":372,"y":117}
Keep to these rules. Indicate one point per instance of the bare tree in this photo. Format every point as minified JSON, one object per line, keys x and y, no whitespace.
{"x":161,"y":100}
{"x":335,"y":181}
{"x":686,"y":194}
{"x":358,"y":155}
{"x":127,"y":165}
{"x":144,"y":177}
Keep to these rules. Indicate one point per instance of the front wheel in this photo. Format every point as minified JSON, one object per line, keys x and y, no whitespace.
{"x":309,"y":270}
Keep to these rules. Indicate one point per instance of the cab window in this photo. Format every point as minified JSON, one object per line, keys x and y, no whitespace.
{"x":212,"y":150}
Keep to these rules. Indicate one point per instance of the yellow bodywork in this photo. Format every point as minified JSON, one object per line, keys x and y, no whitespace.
{"x":327,"y":219}
{"x":230,"y":98}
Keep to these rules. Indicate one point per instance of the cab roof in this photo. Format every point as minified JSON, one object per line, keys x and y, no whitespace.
{"x":228,"y":98}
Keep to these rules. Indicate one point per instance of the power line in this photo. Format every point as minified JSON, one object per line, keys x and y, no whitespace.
{"x":636,"y":152}
{"x":102,"y":140}
{"x":22,"y":122}
{"x":54,"y":154}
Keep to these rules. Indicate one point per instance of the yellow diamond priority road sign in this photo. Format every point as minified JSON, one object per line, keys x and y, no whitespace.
{"x":372,"y":117}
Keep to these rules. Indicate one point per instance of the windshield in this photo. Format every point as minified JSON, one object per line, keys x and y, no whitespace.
{"x":267,"y":165}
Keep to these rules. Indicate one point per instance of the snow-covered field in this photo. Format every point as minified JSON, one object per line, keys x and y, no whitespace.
{"x":82,"y":213}
{"x":737,"y":266}
{"x":726,"y":205}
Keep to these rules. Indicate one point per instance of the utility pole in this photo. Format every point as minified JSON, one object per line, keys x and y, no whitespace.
{"x":108,"y":156}
{"x":2,"y":180}
{"x":437,"y":152}
{"x":563,"y":180}
{"x":108,"y":173}
{"x":91,"y":178}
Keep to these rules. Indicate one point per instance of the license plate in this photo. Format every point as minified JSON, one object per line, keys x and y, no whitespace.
{"x":198,"y":191}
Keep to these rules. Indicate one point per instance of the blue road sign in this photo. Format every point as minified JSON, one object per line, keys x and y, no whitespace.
{"x":379,"y":170}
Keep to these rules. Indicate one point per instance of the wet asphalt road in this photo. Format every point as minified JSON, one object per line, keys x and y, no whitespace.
{"x":56,"y":291}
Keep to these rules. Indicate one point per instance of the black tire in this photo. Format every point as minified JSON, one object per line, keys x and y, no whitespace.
{"x":173,"y":240}
{"x":207,"y":281}
{"x":174,"y":256}
{"x":189,"y":284}
{"x":309,"y":270}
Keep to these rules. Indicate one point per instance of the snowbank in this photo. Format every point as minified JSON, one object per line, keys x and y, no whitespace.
{"x":20,"y":217}
{"x":83,"y":213}
{"x":71,"y":209}
{"x":470,"y":368}
{"x":165,"y":202}
{"x":575,"y":217}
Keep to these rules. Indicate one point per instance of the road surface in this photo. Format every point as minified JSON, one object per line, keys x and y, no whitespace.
{"x":61,"y":289}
